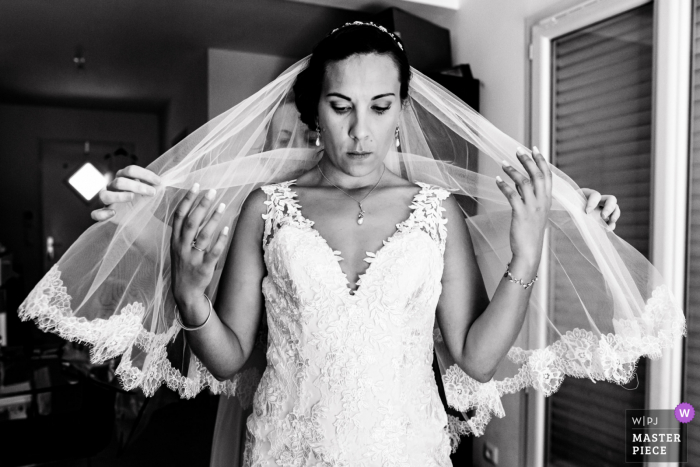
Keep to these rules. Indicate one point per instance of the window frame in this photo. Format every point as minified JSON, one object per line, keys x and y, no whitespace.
{"x":672,"y":58}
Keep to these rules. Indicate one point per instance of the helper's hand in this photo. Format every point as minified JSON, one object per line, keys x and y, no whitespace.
{"x":128,"y":182}
{"x":607,"y":204}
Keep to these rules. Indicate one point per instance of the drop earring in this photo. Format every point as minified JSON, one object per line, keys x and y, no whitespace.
{"x":396,"y":134}
{"x":318,"y":135}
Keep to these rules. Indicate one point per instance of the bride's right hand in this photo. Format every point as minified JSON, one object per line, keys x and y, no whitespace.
{"x":128,"y":182}
{"x":191,"y":269}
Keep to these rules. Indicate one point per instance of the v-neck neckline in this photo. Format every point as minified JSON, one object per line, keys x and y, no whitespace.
{"x":349,"y":292}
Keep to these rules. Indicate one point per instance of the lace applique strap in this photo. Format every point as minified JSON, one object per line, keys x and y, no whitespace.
{"x":282,"y":208}
{"x":428,"y":214}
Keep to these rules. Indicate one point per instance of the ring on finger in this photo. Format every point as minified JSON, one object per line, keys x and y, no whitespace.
{"x":194,"y":245}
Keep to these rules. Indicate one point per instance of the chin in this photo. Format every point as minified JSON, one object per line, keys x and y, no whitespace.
{"x":359,"y":167}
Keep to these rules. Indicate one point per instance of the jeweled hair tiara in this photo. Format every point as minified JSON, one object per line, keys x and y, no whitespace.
{"x":381,"y":28}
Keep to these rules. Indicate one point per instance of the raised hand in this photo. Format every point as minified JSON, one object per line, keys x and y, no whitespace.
{"x":531,"y":203}
{"x":610,"y":211}
{"x":193,"y":251}
{"x":128,"y":182}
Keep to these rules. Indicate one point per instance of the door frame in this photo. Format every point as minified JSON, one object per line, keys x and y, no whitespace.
{"x":45,"y":146}
{"x":670,"y":136}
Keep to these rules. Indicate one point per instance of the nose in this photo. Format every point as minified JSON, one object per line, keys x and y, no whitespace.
{"x":359,"y":130}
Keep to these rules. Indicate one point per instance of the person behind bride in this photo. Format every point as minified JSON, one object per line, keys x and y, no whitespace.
{"x":353,"y":213}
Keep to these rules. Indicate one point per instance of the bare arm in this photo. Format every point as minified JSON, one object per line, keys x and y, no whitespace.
{"x":226,"y":342}
{"x":479,"y":333}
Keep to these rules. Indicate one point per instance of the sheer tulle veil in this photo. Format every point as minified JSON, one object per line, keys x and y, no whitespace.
{"x":112,"y":287}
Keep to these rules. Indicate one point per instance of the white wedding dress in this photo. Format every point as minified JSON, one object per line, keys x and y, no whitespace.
{"x":349,"y":378}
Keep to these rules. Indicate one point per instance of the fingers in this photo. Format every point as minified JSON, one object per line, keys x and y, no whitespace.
{"x":513,"y":196}
{"x":134,"y":186}
{"x":536,"y":183}
{"x":615,"y":215}
{"x":543,"y":165}
{"x":523,"y":184}
{"x":193,"y":221}
{"x":103,"y":214}
{"x":182,"y":210}
{"x":610,"y":207}
{"x":108,"y":197}
{"x":592,"y":201}
{"x":539,"y":186}
{"x":610,"y":212}
{"x":139,"y":173}
{"x":205,"y":235}
{"x":612,"y":220}
{"x":128,"y":182}
{"x":213,"y":255}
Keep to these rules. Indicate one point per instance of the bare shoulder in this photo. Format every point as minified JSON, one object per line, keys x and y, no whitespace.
{"x":256,"y":199}
{"x":452,"y":207}
{"x":448,"y":202}
{"x":400,"y":184}
{"x":457,"y":228}
{"x":254,"y":207}
{"x":440,"y":191}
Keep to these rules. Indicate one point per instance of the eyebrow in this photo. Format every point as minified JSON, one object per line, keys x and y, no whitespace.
{"x":337,"y":94}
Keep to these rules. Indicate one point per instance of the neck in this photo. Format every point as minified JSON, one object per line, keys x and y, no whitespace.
{"x":344,"y":180}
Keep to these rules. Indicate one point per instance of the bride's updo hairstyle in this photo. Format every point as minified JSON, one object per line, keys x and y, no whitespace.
{"x":351,"y":39}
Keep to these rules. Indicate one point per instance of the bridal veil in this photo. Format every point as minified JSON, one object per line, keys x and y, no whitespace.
{"x":112,"y":287}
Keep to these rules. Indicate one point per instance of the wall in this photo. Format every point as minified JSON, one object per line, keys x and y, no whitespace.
{"x":218,"y":80}
{"x":21,"y":129}
{"x":234,"y":76}
{"x":493,"y":37}
{"x":187,"y":109}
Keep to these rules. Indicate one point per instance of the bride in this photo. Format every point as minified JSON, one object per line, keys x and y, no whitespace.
{"x":352,"y":207}
{"x":313,"y":278}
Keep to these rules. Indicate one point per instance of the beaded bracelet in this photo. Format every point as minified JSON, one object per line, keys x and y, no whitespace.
{"x":518,"y":281}
{"x":177,"y":317}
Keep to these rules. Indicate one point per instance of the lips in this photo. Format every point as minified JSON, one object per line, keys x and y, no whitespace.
{"x":359,"y":153}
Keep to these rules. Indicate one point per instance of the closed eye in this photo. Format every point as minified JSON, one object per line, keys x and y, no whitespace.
{"x":342,"y":110}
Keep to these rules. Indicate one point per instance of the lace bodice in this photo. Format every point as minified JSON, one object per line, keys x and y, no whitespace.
{"x":349,"y":380}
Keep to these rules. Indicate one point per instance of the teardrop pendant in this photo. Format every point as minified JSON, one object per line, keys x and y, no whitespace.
{"x":360,"y":215}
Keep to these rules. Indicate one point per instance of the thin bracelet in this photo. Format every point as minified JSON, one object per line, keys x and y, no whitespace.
{"x":518,"y":281}
{"x":177,"y":317}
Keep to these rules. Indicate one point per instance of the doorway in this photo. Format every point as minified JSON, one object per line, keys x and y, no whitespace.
{"x":65,"y":212}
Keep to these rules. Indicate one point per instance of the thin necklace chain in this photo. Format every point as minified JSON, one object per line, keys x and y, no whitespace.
{"x":361,"y":214}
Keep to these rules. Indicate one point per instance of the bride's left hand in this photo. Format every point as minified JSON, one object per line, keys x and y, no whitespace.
{"x":610,"y":211}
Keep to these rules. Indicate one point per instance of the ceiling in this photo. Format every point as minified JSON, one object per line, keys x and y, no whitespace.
{"x":137,"y":51}
{"x":374,"y":6}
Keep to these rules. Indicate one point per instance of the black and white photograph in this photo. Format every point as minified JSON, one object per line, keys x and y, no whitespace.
{"x":349,"y":233}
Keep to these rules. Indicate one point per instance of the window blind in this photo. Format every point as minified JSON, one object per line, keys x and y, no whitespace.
{"x":691,"y":383}
{"x":601,"y":137}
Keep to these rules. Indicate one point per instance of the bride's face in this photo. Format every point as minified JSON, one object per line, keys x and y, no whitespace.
{"x":358,"y":111}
